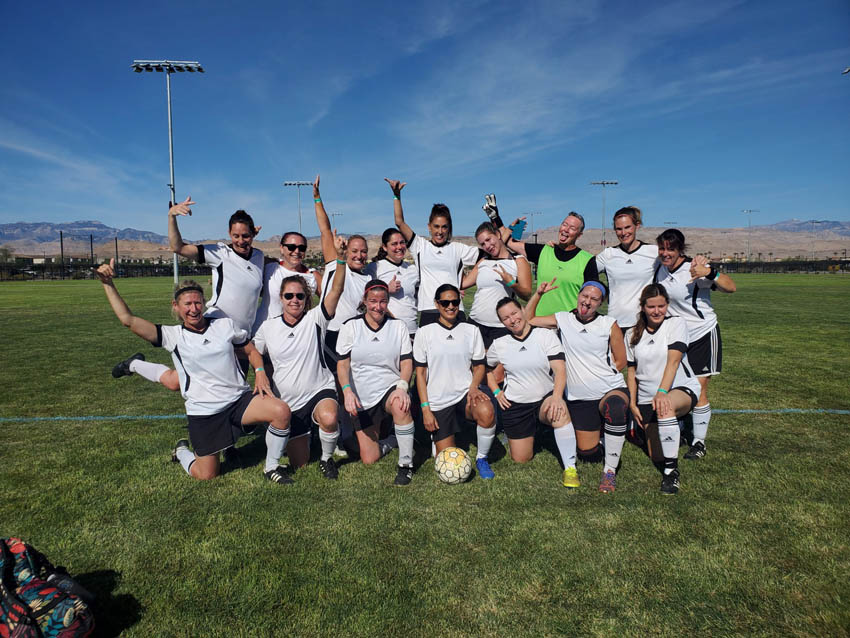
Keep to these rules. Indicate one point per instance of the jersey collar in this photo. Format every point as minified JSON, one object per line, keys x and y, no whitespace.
{"x":583,"y":322}
{"x":686,"y":260}
{"x":520,"y":339}
{"x":640,"y":244}
{"x":378,"y":329}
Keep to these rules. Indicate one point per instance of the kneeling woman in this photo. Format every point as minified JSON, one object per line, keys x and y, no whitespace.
{"x":293,"y":342}
{"x":535,"y":376}
{"x":596,"y":394}
{"x":661,"y":383}
{"x":374,"y":368}
{"x":219,"y":403}
{"x":450,"y":357}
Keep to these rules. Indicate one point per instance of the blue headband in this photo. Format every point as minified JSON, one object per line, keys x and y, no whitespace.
{"x":595,"y":284}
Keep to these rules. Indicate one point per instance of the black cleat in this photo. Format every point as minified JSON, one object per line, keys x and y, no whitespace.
{"x":182,"y":444}
{"x":329,"y":469}
{"x":122,"y":369}
{"x":696,"y":452}
{"x":403,"y":476}
{"x":670,"y":483}
{"x":279,"y":475}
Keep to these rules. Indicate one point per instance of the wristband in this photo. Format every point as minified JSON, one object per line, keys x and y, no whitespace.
{"x":425,"y":404}
{"x":341,"y":262}
{"x":497,"y":392}
{"x":260,"y":369}
{"x":402,"y":385}
{"x":347,"y":385}
{"x":318,"y":200}
{"x":497,"y":221}
{"x":712,"y":274}
{"x":662,"y":390}
{"x":512,"y":282}
{"x":397,"y":197}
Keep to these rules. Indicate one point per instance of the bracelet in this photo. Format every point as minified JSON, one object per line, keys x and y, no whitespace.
{"x":425,"y":404}
{"x":402,"y":385}
{"x":341,"y":262}
{"x":662,"y":390}
{"x":511,"y":283}
{"x":318,"y":200}
{"x":497,"y":392}
{"x":260,"y":369}
{"x":347,"y":385}
{"x":397,"y":197}
{"x":712,"y":274}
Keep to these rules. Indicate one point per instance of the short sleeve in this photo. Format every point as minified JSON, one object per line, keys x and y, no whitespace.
{"x":478,"y":353}
{"x":493,"y":356}
{"x":600,"y":261}
{"x":678,"y":331}
{"x":416,"y":245}
{"x":420,"y":349}
{"x":590,"y":271}
{"x":468,"y":255}
{"x":212,"y":254}
{"x":627,"y":341}
{"x":168,"y":337}
{"x":552,"y":346}
{"x":406,"y":347}
{"x":260,"y":339}
{"x":318,"y":316}
{"x":345,"y":340}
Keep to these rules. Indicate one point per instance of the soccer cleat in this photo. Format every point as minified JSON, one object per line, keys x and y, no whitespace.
{"x":329,"y":468}
{"x":182,"y":444}
{"x":571,"y":478}
{"x":279,"y":475}
{"x":232,"y":457}
{"x":697,"y":451}
{"x":670,"y":483}
{"x":484,"y":469}
{"x":609,"y":482}
{"x":122,"y":369}
{"x":403,"y":476}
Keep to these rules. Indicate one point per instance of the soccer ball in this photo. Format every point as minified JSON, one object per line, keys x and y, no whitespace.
{"x":453,"y":465}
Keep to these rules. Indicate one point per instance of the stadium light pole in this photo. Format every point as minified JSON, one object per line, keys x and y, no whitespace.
{"x":531,"y":215}
{"x":749,"y":213}
{"x":604,"y":183}
{"x":813,"y":222}
{"x":168,"y":67}
{"x":298,"y":185}
{"x":333,"y":219}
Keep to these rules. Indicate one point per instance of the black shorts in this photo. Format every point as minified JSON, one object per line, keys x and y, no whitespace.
{"x":647,"y":413}
{"x":375,"y":415}
{"x":302,"y":419}
{"x":705,"y":355}
{"x":450,"y":420}
{"x":212,"y":433}
{"x":490,"y":333}
{"x":433,"y":316}
{"x":520,"y":420}
{"x":585,"y":413}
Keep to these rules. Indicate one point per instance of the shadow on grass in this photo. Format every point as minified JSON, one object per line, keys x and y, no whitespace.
{"x":112,"y":614}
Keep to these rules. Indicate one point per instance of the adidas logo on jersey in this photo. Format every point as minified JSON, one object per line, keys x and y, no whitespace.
{"x":291,"y":335}
{"x":584,"y":330}
{"x":523,"y":349}
{"x":450,"y":338}
{"x":206,"y":341}
{"x":374,"y":339}
{"x":629,"y":261}
{"x":651,"y":341}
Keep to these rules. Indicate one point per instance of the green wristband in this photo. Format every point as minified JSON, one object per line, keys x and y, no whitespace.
{"x":396,"y":197}
{"x":347,"y":385}
{"x":341,"y":262}
{"x":497,"y":392}
{"x":259,"y":370}
{"x":662,"y":390}
{"x":318,"y":200}
{"x":425,"y":404}
{"x":511,"y":282}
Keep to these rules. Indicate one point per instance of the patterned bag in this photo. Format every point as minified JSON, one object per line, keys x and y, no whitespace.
{"x":34,"y":601}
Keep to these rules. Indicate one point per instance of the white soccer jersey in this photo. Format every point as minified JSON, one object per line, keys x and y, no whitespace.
{"x":448,"y":353}
{"x":402,"y":302}
{"x":689,"y":299}
{"x":528,"y":376}
{"x":352,"y":294}
{"x":236,"y":282}
{"x":628,"y":274}
{"x":299,"y":364}
{"x":590,"y":365}
{"x":210,"y":376}
{"x":649,"y":357}
{"x":439,"y":265}
{"x":491,"y":288}
{"x":375,"y":356}
{"x":273,"y":277}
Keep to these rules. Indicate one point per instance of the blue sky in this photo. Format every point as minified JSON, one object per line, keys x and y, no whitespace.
{"x":699,"y":109}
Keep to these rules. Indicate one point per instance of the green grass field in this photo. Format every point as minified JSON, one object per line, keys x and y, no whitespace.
{"x":756,"y":542}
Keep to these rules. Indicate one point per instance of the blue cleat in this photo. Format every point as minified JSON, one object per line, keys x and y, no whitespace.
{"x":484,"y":469}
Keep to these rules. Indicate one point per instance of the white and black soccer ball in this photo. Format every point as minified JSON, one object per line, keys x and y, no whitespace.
{"x":453,"y":465}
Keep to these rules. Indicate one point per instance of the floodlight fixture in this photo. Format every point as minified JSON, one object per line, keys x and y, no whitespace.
{"x":604,"y":183}
{"x":749,"y":213}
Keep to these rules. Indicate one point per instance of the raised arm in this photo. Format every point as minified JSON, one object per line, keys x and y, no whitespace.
{"x":142,"y":327}
{"x":510,"y":242}
{"x":332,"y":298}
{"x":618,"y":346}
{"x":398,"y":213}
{"x":547,"y":321}
{"x":327,"y":233}
{"x":175,"y":239}
{"x":722,"y":281}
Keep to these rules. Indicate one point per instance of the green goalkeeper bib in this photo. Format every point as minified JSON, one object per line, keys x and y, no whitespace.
{"x":568,"y":275}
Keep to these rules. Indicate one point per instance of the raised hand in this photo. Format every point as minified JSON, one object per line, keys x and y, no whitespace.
{"x":316,"y":188}
{"x":504,"y":274}
{"x":395,"y":185}
{"x":182,"y":208}
{"x":340,"y":244}
{"x":394,"y":285}
{"x":105,"y":272}
{"x":490,"y":207}
{"x":546,"y":286}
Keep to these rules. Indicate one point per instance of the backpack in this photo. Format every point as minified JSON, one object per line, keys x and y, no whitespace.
{"x":35,"y":601}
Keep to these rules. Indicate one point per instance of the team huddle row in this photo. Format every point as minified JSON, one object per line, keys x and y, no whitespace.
{"x":381,"y":326}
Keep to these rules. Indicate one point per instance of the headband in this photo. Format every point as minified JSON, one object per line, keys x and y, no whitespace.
{"x":180,"y":291}
{"x":595,"y":284}
{"x":376,"y":283}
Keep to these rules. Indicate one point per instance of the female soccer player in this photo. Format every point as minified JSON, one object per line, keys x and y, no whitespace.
{"x":449,"y":355}
{"x":439,"y":259}
{"x":662,"y":385}
{"x":689,"y":285}
{"x":237,"y":278}
{"x":402,"y":277}
{"x":219,"y":404}
{"x":498,"y":274}
{"x":375,"y":366}
{"x":535,"y":377}
{"x":596,"y":394}
{"x":293,"y":342}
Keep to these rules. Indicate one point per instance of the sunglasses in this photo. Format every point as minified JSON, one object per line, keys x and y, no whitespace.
{"x":294,"y":247}
{"x":445,"y":303}
{"x":300,"y":296}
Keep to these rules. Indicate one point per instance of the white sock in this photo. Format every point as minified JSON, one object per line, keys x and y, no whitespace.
{"x":702,"y":415}
{"x":485,"y":438}
{"x":328,"y":440}
{"x":668,"y":432}
{"x":565,"y":439}
{"x":613,"y":450}
{"x":275,"y":444}
{"x":404,"y":436}
{"x":186,"y":458}
{"x":148,"y":370}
